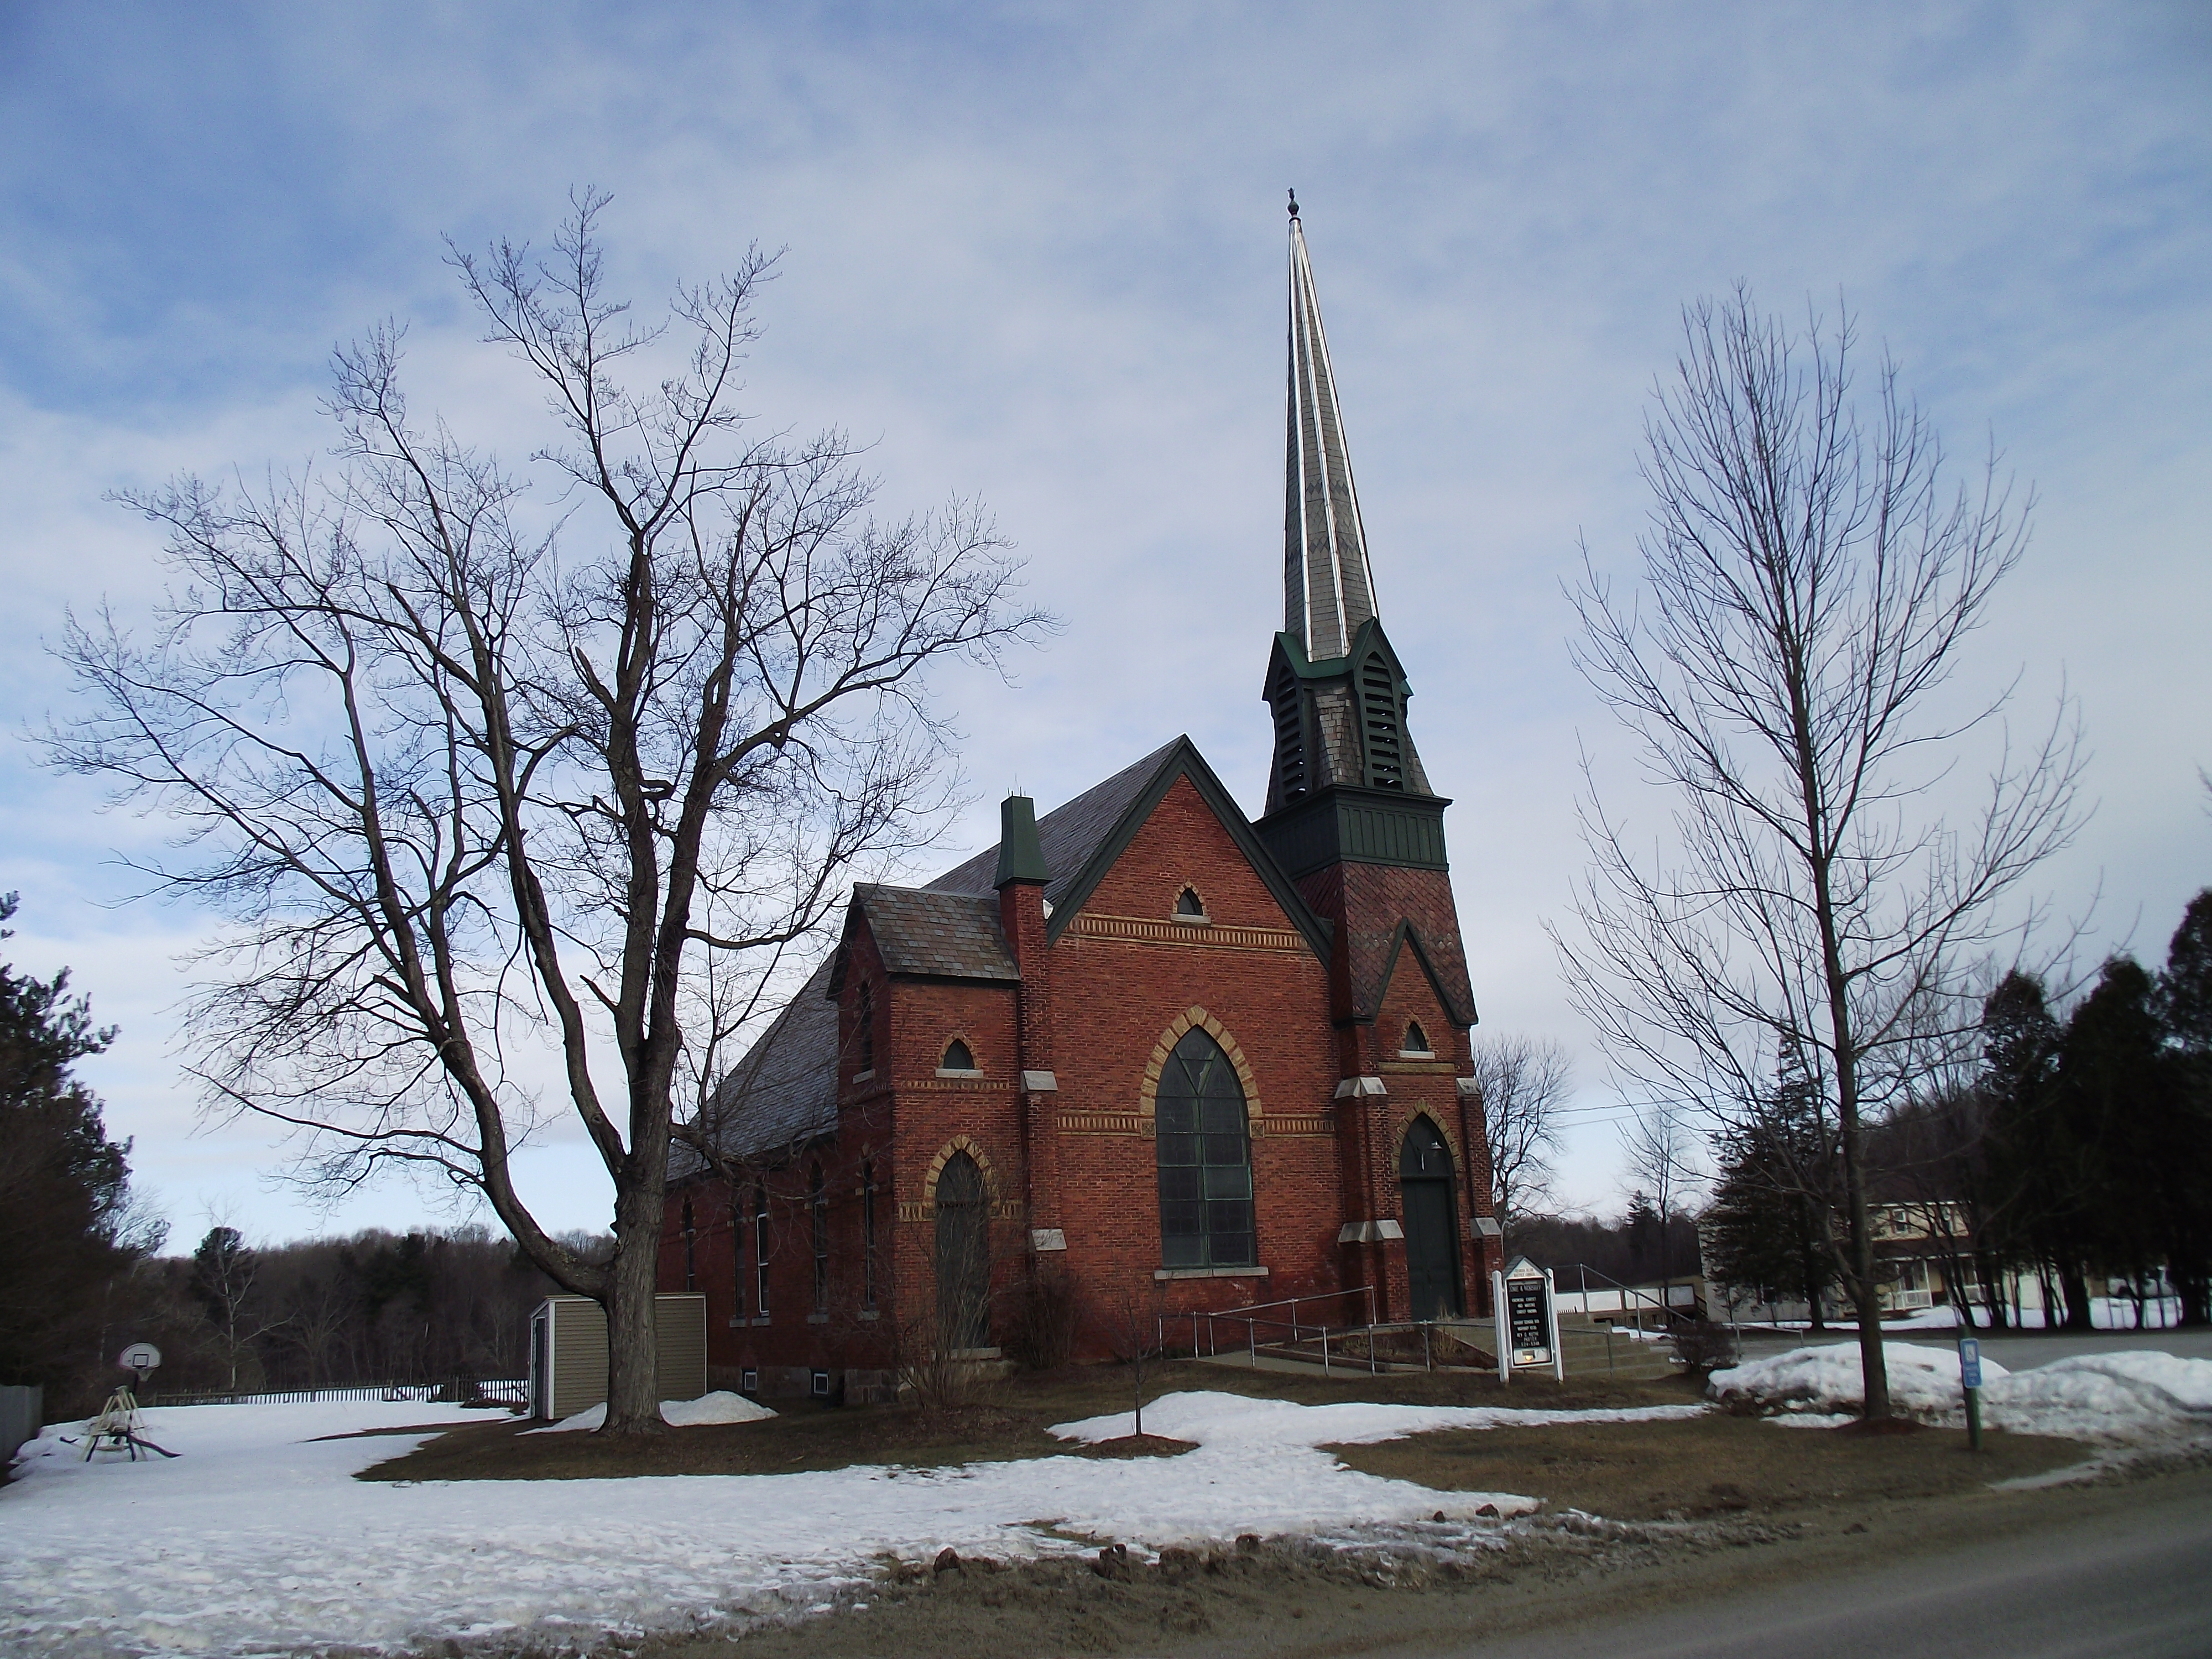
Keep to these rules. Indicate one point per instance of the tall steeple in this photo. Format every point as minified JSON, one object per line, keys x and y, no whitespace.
{"x":1335,"y":685}
{"x":1327,"y":589}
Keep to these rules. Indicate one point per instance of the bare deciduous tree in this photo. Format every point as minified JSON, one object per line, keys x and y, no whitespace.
{"x":460,"y":782}
{"x":1523,"y":1083}
{"x":1808,"y":584}
{"x":1661,"y":1157}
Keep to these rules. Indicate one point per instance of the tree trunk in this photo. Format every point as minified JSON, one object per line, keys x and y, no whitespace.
{"x":1993,"y":1290}
{"x":633,"y":1369}
{"x":2075,"y":1286}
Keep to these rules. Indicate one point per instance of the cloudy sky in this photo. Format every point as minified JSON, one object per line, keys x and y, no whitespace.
{"x":1035,"y":254}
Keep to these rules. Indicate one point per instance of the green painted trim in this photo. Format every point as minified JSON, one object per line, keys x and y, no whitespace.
{"x":1343,"y":824}
{"x":1183,"y":760}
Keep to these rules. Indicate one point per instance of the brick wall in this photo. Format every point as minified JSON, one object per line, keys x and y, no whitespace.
{"x":1121,"y":981}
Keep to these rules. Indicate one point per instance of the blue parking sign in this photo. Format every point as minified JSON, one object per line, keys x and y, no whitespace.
{"x":1970,"y":1363}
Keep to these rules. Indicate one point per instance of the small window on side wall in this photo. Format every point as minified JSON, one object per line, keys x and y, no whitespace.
{"x":1417,"y":1040}
{"x":1188,"y":903}
{"x":958,"y":1057}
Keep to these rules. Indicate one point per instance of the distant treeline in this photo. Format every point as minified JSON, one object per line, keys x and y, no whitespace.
{"x":425,"y":1306}
{"x":1634,"y":1249}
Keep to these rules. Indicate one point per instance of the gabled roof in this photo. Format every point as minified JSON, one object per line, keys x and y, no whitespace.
{"x":1372,"y":971}
{"x":1070,"y":833}
{"x":1082,"y":839}
{"x":924,"y":934}
{"x":784,"y":1092}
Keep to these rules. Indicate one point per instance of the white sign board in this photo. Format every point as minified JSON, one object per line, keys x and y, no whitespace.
{"x":1528,"y":1316}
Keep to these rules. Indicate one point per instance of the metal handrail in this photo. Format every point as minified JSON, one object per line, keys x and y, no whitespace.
{"x":1248,"y":1315}
{"x":1664,"y":1308}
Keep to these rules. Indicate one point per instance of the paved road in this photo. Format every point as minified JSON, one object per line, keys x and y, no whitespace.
{"x":2136,"y":1581}
{"x":2015,"y":1350}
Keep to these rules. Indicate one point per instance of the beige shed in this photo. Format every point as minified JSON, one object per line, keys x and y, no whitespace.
{"x":569,"y":1352}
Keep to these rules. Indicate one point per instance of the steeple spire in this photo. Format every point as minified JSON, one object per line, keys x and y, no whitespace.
{"x":1327,"y":590}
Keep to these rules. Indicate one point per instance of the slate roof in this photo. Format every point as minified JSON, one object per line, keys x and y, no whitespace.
{"x":939,"y":935}
{"x":1070,"y":833}
{"x":784,"y":1091}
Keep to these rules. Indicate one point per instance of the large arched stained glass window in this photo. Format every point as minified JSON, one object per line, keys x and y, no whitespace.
{"x":1205,"y":1159}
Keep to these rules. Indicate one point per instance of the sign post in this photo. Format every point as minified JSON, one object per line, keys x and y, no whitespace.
{"x":1498,"y":1318}
{"x":1970,"y":1384}
{"x":1552,"y":1311}
{"x":139,"y":1359}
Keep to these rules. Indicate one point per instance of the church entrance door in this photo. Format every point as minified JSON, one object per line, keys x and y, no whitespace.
{"x":1431,"y":1211}
{"x":964,"y":1255}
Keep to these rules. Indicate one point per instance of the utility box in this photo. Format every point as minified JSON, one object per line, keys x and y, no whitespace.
{"x":569,"y":1352}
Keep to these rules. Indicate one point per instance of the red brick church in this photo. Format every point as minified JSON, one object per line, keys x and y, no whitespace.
{"x":1143,"y":1057}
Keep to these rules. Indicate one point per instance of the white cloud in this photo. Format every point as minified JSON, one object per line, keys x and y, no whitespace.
{"x":1037,"y":253}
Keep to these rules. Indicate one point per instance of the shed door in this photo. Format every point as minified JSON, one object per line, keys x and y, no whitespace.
{"x":1431,"y":1211}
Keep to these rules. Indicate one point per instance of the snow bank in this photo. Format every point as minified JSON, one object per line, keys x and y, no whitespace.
{"x":722,"y":1407}
{"x":1228,"y":1421}
{"x":2121,"y":1398}
{"x":258,"y":1540}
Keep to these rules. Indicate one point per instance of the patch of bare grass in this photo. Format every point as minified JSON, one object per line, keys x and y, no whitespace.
{"x":1716,"y":1464}
{"x":1009,"y":1420}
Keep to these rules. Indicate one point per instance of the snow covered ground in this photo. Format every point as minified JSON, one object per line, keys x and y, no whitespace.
{"x":2117,"y":1398}
{"x":256,"y":1539}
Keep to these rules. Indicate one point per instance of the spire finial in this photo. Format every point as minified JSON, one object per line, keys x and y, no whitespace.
{"x":1294,"y":201}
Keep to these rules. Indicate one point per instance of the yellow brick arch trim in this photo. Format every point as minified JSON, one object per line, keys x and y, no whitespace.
{"x":1442,"y":1127}
{"x":1195,"y":1018}
{"x":945,"y":1153}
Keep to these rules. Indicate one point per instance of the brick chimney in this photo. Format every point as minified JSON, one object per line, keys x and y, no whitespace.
{"x":1021,"y":883}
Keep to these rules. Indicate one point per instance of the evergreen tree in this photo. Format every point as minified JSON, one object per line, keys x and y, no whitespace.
{"x":1769,"y":1227}
{"x":2116,"y":1106}
{"x":2184,"y":1009}
{"x":66,"y":1231}
{"x":2031,"y":1213}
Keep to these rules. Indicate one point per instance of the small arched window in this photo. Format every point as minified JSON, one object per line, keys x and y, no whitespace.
{"x":864,"y":1031}
{"x":958,"y":1057}
{"x":1417,"y":1040}
{"x":1189,"y":904}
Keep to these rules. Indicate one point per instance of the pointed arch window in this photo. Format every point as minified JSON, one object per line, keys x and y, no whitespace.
{"x":868,"y":1234}
{"x":817,"y":1207}
{"x":1417,"y":1040}
{"x":760,"y":1252}
{"x":958,"y":1057}
{"x":738,"y":1231}
{"x":1188,"y":903}
{"x":1204,"y":1151}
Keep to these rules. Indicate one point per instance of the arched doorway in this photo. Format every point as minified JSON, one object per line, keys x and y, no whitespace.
{"x":964,"y":1255}
{"x":1431,"y":1211}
